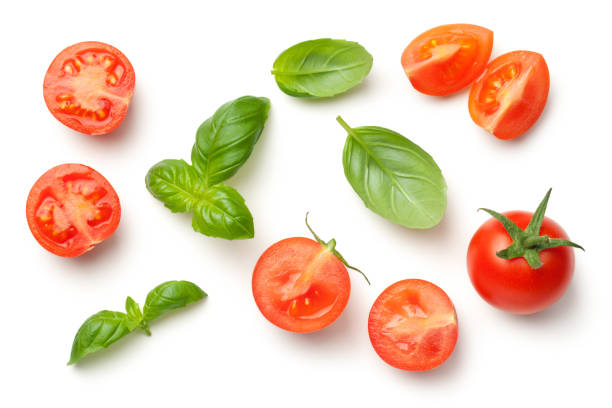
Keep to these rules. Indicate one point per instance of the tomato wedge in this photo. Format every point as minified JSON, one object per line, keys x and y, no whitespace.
{"x":71,"y":208}
{"x":447,"y":58}
{"x":88,"y":87}
{"x":413,"y":325}
{"x":300,"y":285}
{"x":511,"y":94}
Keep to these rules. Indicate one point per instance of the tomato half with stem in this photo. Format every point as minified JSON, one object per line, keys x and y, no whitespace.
{"x":71,"y":208}
{"x":448,"y":58}
{"x":511,"y":94}
{"x":413,"y":325}
{"x":302,"y":285}
{"x":89,"y":86}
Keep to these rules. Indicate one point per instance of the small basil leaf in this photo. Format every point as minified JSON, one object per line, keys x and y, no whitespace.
{"x":394,"y":177}
{"x":134,"y":315}
{"x":176,"y":184}
{"x":169,"y":296}
{"x":98,"y":332}
{"x":221,"y":212}
{"x":321,"y":68}
{"x":225,"y":141}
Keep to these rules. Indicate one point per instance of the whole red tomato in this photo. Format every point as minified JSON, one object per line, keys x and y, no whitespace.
{"x":521,"y":262}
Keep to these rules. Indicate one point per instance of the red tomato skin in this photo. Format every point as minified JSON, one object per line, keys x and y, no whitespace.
{"x":429,"y":79}
{"x":118,"y":111}
{"x":523,"y":113}
{"x":512,"y":285}
{"x":52,"y":180}
{"x":435,"y":346}
{"x":296,"y":255}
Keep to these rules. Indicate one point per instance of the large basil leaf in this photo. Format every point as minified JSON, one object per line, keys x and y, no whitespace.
{"x":321,"y":68}
{"x":225,"y":141}
{"x":169,"y":296}
{"x":176,"y":184}
{"x":222,"y":213}
{"x":98,"y":332}
{"x":394,"y":177}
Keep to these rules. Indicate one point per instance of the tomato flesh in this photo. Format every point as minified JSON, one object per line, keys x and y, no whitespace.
{"x":447,"y":58}
{"x":89,"y":86}
{"x":71,"y":208}
{"x":300,"y":286}
{"x":511,"y":94}
{"x":512,"y":285}
{"x":413,"y":325}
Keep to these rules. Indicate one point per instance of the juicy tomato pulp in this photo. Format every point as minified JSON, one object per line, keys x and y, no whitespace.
{"x":89,"y":86}
{"x":447,"y":58}
{"x":512,"y":285}
{"x":300,"y":286}
{"x":413,"y":325}
{"x":510,"y":96}
{"x":71,"y":208}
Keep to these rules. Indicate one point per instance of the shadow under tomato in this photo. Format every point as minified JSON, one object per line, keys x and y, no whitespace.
{"x":101,"y":250}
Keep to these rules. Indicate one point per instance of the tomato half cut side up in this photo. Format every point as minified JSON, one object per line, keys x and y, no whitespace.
{"x":511,"y":94}
{"x":448,"y":58}
{"x":89,"y":86}
{"x":71,"y":208}
{"x":413,"y":325}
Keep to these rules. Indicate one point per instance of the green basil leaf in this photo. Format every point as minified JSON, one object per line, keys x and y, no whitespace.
{"x":321,"y":68}
{"x":225,"y":141}
{"x":134,"y":315}
{"x":394,"y":177}
{"x":176,"y":184}
{"x":222,"y":213}
{"x":98,"y":332}
{"x":169,"y":296}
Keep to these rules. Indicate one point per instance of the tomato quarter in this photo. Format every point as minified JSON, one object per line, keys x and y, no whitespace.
{"x":89,"y":86}
{"x":71,"y":208}
{"x":511,"y":94}
{"x":519,"y":265}
{"x":447,"y":58}
{"x":413,"y":325}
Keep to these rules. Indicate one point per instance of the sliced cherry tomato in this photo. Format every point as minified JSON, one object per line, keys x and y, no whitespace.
{"x":413,"y":325}
{"x":510,"y":95}
{"x":525,"y":272}
{"x":447,"y":58}
{"x":89,"y":86}
{"x":71,"y":208}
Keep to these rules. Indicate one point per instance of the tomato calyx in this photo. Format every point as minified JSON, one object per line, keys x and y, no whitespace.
{"x":528,"y":243}
{"x":331,"y":247}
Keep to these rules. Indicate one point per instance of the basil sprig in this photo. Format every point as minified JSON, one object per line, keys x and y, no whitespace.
{"x":223,"y":144}
{"x":106,"y":327}
{"x":321,"y":68}
{"x":394,"y":177}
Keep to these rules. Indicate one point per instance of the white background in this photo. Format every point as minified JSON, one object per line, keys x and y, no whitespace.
{"x":190,"y":58}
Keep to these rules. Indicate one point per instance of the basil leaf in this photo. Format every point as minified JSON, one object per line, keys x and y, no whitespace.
{"x":321,"y":68}
{"x":176,"y":184}
{"x":225,"y":141}
{"x":223,"y":213}
{"x":394,"y":177}
{"x":98,"y":332}
{"x":134,"y":315}
{"x":169,"y":296}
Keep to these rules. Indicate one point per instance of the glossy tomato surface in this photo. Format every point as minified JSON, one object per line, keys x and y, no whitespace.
{"x":447,"y":58}
{"x":511,"y":94}
{"x":300,"y":286}
{"x":71,"y":208}
{"x":512,"y":285}
{"x":413,"y":325}
{"x":89,"y":86}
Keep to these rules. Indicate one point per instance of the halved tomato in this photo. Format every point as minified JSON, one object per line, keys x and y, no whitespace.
{"x":300,"y":285}
{"x":510,"y":95}
{"x":447,"y":58}
{"x":413,"y":325}
{"x":89,"y":86}
{"x":71,"y":208}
